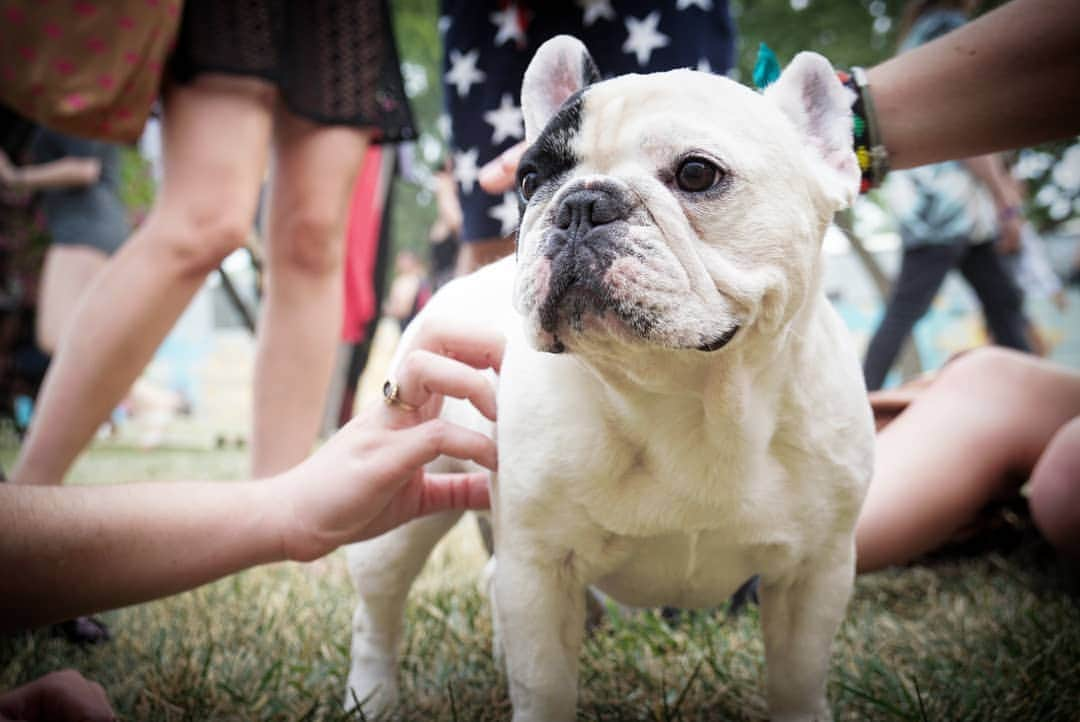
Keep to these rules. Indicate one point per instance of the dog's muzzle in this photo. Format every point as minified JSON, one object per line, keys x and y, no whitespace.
{"x":584,"y":239}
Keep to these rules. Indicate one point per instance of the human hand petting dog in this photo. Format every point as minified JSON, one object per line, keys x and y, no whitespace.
{"x":74,"y":550}
{"x":387,"y":445}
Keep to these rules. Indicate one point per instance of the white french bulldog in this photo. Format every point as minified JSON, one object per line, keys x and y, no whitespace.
{"x":679,"y":407}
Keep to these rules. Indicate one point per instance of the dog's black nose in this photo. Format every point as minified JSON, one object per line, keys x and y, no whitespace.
{"x":587,"y":208}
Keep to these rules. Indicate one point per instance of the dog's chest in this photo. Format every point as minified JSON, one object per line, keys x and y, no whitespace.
{"x":677,"y":474}
{"x":683,"y":570}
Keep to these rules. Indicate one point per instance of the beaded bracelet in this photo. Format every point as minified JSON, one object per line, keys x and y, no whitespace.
{"x":871,"y":152}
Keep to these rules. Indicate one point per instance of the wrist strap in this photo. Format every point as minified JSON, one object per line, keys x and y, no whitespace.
{"x":871,"y":152}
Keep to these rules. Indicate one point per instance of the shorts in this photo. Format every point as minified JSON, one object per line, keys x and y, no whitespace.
{"x":93,"y":215}
{"x":334,"y":62}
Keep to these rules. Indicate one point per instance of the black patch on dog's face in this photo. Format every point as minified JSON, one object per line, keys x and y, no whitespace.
{"x":551,"y":156}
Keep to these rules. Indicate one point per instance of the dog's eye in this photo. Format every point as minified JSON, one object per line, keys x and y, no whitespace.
{"x":696,"y":175}
{"x":528,"y":184}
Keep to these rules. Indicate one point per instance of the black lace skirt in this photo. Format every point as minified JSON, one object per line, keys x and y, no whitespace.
{"x":333,"y":61}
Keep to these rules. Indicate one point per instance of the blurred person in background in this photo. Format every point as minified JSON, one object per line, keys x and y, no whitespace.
{"x":409,"y":290}
{"x":444,"y":235}
{"x":952,"y":215}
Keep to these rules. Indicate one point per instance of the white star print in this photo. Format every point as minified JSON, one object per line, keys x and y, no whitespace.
{"x":443,"y":24}
{"x":509,"y":27}
{"x":595,"y":10}
{"x":442,"y":124}
{"x":506,"y":213}
{"x":643,"y":38}
{"x":704,"y":66}
{"x":465,"y":171}
{"x":506,"y":120}
{"x":463,"y":71}
{"x":705,"y":5}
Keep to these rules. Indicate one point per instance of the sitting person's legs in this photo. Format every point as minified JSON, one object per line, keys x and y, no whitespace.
{"x":989,"y":414}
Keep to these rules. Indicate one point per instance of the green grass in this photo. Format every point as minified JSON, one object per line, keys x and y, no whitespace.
{"x":990,"y":636}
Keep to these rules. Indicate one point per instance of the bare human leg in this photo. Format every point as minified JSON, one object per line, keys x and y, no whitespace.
{"x":314,"y":168}
{"x":989,"y":413}
{"x":216,"y":134}
{"x":1055,"y":490}
{"x":67,"y":273}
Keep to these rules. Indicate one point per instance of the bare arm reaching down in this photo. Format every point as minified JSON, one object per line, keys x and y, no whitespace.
{"x":74,"y":550}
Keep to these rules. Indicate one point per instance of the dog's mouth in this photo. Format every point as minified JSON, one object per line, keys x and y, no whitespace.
{"x":587,"y":306}
{"x":720,"y":341}
{"x":580,"y":311}
{"x":557,"y":346}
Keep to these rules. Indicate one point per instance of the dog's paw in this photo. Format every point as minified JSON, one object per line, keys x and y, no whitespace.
{"x":373,"y":692}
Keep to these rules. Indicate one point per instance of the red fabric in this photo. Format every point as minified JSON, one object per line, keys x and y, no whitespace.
{"x":361,"y":245}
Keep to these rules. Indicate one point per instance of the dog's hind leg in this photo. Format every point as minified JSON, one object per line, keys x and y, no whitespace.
{"x":383,"y":570}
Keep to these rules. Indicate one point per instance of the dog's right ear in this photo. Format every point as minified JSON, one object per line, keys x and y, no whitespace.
{"x":561,"y":67}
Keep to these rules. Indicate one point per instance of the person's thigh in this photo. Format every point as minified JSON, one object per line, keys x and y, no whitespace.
{"x":216,"y":140}
{"x":313,"y":172}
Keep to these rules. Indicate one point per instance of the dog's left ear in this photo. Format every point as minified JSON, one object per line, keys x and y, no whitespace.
{"x":561,"y":67}
{"x":813,"y":98}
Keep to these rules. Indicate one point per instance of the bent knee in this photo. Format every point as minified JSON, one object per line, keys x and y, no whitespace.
{"x":196,"y":240}
{"x":986,"y":368}
{"x":311,"y":242}
{"x":1055,"y":490}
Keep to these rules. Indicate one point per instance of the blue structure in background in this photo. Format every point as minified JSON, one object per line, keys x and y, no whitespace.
{"x":954,"y":322}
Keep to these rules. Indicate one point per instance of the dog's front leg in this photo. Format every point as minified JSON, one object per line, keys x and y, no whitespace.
{"x":800,"y":615}
{"x":540,"y":608}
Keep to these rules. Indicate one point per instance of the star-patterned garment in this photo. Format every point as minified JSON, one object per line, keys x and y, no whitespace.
{"x":489,"y":43}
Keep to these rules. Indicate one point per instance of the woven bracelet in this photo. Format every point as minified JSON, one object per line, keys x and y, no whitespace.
{"x":873,"y":158}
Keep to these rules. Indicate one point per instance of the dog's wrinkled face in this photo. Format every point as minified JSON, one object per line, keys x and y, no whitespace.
{"x":677,"y":210}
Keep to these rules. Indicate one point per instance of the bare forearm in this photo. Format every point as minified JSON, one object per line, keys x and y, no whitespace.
{"x":63,"y":173}
{"x":74,"y":550}
{"x":1007,"y":80}
{"x":112,"y":546}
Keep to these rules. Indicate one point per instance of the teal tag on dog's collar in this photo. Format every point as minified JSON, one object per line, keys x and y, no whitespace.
{"x":767,"y":67}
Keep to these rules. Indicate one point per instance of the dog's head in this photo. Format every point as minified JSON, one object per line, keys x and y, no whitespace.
{"x":677,"y":210}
